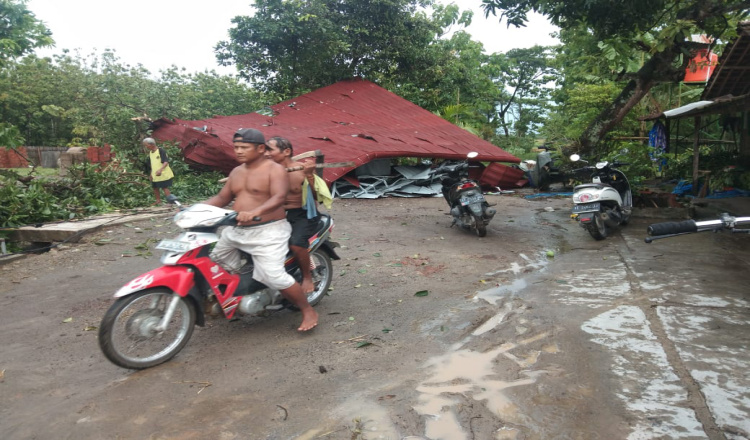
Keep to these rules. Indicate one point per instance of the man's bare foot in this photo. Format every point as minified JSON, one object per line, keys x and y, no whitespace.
{"x":309,"y":320}
{"x":307,"y":286}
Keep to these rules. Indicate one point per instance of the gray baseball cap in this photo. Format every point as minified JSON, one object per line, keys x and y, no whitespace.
{"x":249,"y":135}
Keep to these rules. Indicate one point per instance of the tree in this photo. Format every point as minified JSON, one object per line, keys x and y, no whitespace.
{"x":293,"y":46}
{"x":20,"y":31}
{"x":523,"y":75}
{"x":658,"y":29}
{"x":72,"y":100}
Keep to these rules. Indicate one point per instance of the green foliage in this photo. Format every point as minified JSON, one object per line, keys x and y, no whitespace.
{"x":517,"y":146}
{"x":523,"y":78}
{"x":579,"y":106}
{"x":20,"y":31}
{"x":292,"y":46}
{"x":724,"y":166}
{"x":10,"y":137}
{"x":89,"y":189}
{"x":96,"y":100}
{"x":639,"y":43}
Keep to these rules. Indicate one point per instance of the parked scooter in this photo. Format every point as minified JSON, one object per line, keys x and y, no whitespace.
{"x":673,"y":229}
{"x":155,"y":313}
{"x":606,"y":202}
{"x":469,"y":208}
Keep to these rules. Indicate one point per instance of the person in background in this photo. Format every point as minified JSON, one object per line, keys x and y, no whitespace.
{"x":160,"y":174}
{"x":303,"y":224}
{"x":258,"y":187}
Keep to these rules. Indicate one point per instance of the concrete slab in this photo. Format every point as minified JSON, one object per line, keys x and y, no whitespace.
{"x":72,"y":231}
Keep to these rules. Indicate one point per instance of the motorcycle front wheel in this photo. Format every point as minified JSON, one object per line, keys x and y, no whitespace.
{"x":597,"y":228}
{"x":128,"y":335}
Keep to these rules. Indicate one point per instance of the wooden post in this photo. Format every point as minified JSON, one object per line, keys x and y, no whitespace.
{"x":744,"y":134}
{"x":319,"y":160}
{"x":696,"y":153}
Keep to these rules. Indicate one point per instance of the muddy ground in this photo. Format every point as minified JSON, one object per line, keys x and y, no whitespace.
{"x":491,"y":352}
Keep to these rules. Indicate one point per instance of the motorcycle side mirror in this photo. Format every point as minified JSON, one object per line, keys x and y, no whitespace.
{"x":575,"y":158}
{"x":472,"y":155}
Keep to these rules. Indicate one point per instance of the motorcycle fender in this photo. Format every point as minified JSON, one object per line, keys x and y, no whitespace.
{"x":327,"y":247}
{"x":586,"y":217}
{"x":176,"y":278}
{"x":476,"y":209}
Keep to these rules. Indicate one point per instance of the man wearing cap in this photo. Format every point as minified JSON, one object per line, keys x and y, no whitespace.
{"x":303,"y":221}
{"x":258,"y":188}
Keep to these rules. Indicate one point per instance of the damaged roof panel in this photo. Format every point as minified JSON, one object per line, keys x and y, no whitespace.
{"x":350,"y":121}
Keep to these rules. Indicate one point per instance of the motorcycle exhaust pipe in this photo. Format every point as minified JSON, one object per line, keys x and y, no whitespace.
{"x":609,"y":220}
{"x":489,"y":213}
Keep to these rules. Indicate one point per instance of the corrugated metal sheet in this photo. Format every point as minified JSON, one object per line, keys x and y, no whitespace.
{"x":503,"y":176}
{"x":352,"y":120}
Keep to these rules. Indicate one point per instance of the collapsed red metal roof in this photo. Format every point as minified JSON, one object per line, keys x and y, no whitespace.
{"x":353,"y":120}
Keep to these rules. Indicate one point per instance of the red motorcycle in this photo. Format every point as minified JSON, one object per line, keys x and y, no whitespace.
{"x":155,"y":314}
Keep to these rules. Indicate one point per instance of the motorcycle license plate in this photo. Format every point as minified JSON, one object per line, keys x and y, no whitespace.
{"x":586,"y":207}
{"x":173,"y":245}
{"x":467,"y":200}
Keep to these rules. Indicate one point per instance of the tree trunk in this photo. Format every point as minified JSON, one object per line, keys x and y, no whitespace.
{"x":658,"y":68}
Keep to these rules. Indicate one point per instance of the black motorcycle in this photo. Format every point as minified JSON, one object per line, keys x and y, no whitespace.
{"x":469,"y":208}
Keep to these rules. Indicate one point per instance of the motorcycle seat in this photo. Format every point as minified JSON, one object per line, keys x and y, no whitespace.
{"x":592,"y":185}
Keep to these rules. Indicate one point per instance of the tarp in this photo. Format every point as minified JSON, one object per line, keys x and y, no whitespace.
{"x":353,"y":120}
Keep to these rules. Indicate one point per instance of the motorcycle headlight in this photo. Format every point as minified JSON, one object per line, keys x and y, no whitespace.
{"x":585,"y":197}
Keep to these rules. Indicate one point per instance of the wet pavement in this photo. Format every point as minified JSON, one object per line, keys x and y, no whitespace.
{"x":613,"y":339}
{"x":670,"y":322}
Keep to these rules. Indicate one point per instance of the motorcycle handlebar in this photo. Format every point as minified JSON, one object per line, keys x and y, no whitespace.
{"x":669,"y":228}
{"x":233,"y":216}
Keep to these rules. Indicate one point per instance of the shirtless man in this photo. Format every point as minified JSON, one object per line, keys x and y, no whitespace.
{"x":258,"y":188}
{"x":280,"y":151}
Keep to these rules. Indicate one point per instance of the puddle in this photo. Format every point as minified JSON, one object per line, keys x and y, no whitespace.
{"x":462,"y":374}
{"x":496,"y":293}
{"x":528,"y":266}
{"x":494,"y":321}
{"x":357,"y":413}
{"x":519,"y":268}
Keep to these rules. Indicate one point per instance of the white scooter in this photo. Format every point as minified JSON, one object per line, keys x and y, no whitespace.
{"x":606,"y":202}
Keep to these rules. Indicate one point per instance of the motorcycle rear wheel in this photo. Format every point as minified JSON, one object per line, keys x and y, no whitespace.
{"x":127,"y":336}
{"x":597,"y":228}
{"x":480,"y":227}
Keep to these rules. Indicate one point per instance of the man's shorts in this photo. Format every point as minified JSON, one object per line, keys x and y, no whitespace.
{"x":162,"y":184}
{"x":302,"y":227}
{"x":267,"y":243}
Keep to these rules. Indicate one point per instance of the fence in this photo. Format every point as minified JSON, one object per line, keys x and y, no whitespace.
{"x":48,"y":157}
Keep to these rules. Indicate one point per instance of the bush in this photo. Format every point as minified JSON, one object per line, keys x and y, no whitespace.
{"x":91,"y":189}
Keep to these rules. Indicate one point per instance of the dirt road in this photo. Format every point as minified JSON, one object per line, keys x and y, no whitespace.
{"x":604,"y":340}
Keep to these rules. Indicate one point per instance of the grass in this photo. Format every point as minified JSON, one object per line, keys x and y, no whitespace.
{"x":41,"y":172}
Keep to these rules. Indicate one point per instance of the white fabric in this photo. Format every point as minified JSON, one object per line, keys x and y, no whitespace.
{"x":268,"y":244}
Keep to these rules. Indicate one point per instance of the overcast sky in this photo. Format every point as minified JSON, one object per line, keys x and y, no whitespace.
{"x":161,"y":33}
